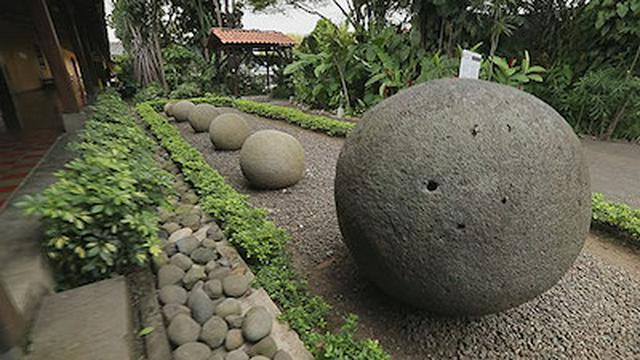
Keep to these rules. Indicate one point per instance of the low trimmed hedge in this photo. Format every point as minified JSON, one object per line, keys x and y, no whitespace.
{"x":619,"y":216}
{"x":101,"y":217}
{"x":263,"y":245}
{"x":327,"y":125}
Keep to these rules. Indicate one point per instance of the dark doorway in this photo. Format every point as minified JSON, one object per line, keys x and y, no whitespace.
{"x":8,"y":118}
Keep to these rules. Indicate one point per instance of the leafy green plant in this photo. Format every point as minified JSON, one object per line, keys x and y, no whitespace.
{"x":618,"y":216}
{"x":344,"y":345}
{"x":150,"y":92}
{"x":186,"y":90}
{"x":101,"y":217}
{"x":263,"y":245}
{"x":512,"y":73}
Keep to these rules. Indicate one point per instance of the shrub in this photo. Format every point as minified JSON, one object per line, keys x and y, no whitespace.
{"x":101,"y":215}
{"x":618,"y":216}
{"x":186,"y":90}
{"x":344,"y":345}
{"x":150,"y":92}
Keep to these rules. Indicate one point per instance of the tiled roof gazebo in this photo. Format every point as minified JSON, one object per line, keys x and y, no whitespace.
{"x":235,"y":46}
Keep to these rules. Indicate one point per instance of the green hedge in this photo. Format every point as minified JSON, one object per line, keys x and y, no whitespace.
{"x":101,"y":215}
{"x":329,"y":126}
{"x":263,"y":245}
{"x":619,"y":216}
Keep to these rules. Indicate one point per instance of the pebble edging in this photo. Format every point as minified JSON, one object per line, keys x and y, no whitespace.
{"x":210,"y":310}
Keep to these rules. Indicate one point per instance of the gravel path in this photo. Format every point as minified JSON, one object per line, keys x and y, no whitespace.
{"x":594,"y":312}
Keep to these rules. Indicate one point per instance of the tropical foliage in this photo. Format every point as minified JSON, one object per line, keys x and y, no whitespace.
{"x":101,"y":216}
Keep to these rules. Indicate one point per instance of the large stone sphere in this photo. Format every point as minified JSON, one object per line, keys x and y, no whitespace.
{"x":271,"y":159}
{"x":201,"y":116}
{"x":463,"y":197}
{"x":228,"y":131}
{"x":168,"y":107}
{"x":182,"y":109}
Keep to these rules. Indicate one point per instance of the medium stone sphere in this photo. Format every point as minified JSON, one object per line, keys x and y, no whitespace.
{"x":168,"y":107}
{"x":201,"y":116}
{"x":182,"y":109}
{"x":271,"y":159}
{"x":463,"y":197}
{"x":228,"y":131}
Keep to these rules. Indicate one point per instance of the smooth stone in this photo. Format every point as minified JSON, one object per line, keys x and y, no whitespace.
{"x":203,"y":255}
{"x":209,"y":244}
{"x":180,"y":234}
{"x":218,"y":354}
{"x":214,"y":331}
{"x":182,"y":109}
{"x":463,"y":197}
{"x":202,"y":115}
{"x":191,"y":221}
{"x":228,"y":307}
{"x":188,"y":244}
{"x":163,"y":234}
{"x":282,"y":355}
{"x":235,"y":285}
{"x":169,"y":275}
{"x":259,"y":357}
{"x":234,"y":321}
{"x":190,"y":198}
{"x":184,"y":209}
{"x":201,"y":306}
{"x":266,"y":347}
{"x":192,"y":351}
{"x":213,"y":288}
{"x":169,"y":248}
{"x":215,"y":233}
{"x":219,"y":273}
{"x":195,"y":274}
{"x":272,"y":159}
{"x":171,"y":310}
{"x":224,"y":262}
{"x":237,"y":355}
{"x":211,"y":265}
{"x":171,"y":227}
{"x":172,"y":294}
{"x":164,"y":214}
{"x":182,"y":261}
{"x":201,"y":234}
{"x":233,"y":340}
{"x":257,"y":323}
{"x":228,"y":131}
{"x":183,"y":329}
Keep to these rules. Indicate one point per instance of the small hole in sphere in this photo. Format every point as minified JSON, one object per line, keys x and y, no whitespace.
{"x":461,"y":226}
{"x":508,"y":128}
{"x":432,"y":185}
{"x":504,"y":200}
{"x":475,"y":130}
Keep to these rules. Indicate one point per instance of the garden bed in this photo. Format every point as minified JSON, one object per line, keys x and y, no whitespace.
{"x":576,"y":318}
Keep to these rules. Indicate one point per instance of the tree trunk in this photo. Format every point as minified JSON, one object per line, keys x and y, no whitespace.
{"x":620,"y":113}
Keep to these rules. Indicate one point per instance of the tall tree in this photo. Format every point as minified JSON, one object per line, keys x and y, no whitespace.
{"x":137,"y":24}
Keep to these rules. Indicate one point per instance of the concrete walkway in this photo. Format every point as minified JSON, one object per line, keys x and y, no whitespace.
{"x":615,"y":170}
{"x":23,"y":270}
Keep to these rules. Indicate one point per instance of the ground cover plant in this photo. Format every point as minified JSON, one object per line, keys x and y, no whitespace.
{"x":297,"y":117}
{"x":263,"y":244}
{"x":101,"y":217}
{"x":619,"y":216}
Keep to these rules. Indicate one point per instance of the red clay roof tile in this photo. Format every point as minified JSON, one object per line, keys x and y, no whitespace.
{"x":242,"y":36}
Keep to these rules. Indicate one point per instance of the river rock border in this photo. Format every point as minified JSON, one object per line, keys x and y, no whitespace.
{"x":210,"y":309}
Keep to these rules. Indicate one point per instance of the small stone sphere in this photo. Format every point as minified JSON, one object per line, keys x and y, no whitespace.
{"x":463,"y":197}
{"x":182,"y":109}
{"x":271,"y":159}
{"x":168,"y":107}
{"x":201,"y":116}
{"x":228,"y":131}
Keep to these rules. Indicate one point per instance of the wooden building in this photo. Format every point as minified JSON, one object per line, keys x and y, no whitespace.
{"x":53,"y":59}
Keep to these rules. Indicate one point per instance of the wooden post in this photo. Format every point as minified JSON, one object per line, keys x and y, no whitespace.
{"x":53,"y":51}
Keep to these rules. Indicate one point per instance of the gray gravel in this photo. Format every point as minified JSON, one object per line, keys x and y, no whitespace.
{"x":594,"y":312}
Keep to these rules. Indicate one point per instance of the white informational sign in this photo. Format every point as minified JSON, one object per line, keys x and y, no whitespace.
{"x":470,"y":65}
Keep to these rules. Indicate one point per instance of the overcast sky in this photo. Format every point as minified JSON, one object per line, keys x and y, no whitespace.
{"x":291,"y":21}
